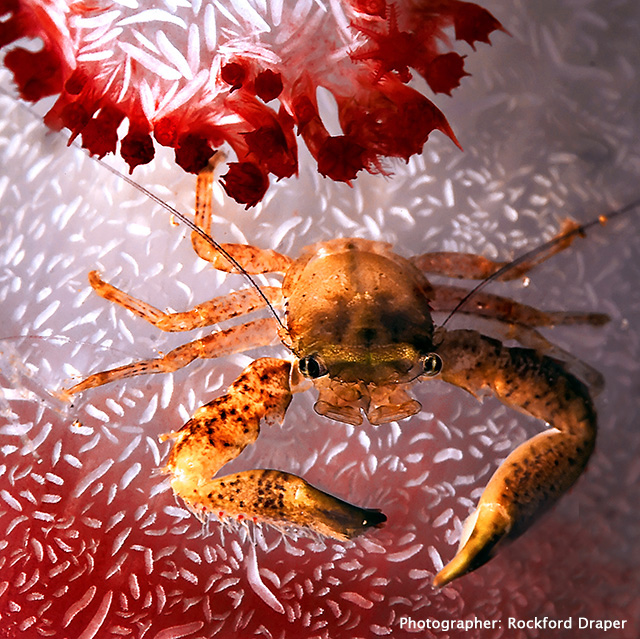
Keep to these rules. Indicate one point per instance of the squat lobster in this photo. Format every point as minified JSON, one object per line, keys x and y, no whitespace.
{"x":358,"y":323}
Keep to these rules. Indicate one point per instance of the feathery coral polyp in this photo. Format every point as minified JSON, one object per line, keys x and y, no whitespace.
{"x":208,"y":73}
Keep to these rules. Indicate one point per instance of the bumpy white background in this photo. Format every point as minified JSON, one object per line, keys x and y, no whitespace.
{"x":92,"y":543}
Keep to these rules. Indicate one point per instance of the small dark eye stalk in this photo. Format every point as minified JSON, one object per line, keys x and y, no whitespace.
{"x":312,"y":366}
{"x":431,"y":364}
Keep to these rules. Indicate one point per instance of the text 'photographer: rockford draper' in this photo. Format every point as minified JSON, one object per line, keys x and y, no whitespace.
{"x":540,"y":623}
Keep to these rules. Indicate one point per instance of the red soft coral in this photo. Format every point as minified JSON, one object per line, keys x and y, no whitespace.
{"x":198,"y":78}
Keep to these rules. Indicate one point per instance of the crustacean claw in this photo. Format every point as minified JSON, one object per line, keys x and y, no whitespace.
{"x":539,"y":471}
{"x":482,"y":532}
{"x":221,"y":429}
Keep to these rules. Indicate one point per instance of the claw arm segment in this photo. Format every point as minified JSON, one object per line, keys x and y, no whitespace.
{"x":233,"y":340}
{"x":220,"y":430}
{"x":252,"y":259}
{"x":539,"y":471}
{"x":211,"y":312}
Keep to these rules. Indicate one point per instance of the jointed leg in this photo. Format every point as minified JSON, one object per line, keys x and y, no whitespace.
{"x":446,"y":298}
{"x":251,"y":259}
{"x":221,"y":429}
{"x":216,"y":310}
{"x":233,"y":340}
{"x":459,"y":265}
{"x":475,"y":267}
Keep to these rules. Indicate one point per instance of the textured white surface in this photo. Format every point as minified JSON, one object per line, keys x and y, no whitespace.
{"x":92,"y":542}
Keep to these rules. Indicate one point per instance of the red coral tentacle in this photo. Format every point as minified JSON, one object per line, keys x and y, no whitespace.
{"x":268,"y":85}
{"x":270,"y":143}
{"x":37,"y":73}
{"x":393,"y":120}
{"x":234,"y":74}
{"x":304,"y":109}
{"x":165,"y":130}
{"x":100,"y":135}
{"x":193,"y":152}
{"x":245,"y":182}
{"x":137,"y":145}
{"x":194,"y":143}
{"x":473,"y":23}
{"x":339,"y":157}
{"x":444,"y":72}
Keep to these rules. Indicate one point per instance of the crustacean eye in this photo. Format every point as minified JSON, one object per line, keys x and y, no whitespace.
{"x":432,"y":364}
{"x":312,"y":366}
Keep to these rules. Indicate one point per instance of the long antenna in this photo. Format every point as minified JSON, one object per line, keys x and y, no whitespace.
{"x":579,"y":230}
{"x":194,"y":227}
